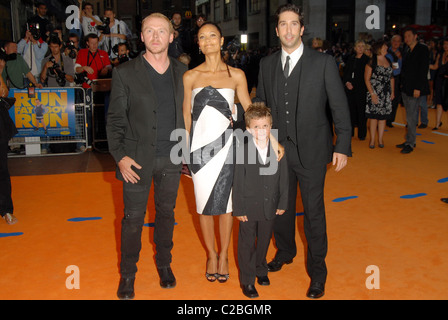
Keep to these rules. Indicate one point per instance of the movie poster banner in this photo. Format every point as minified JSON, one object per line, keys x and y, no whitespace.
{"x":50,"y":112}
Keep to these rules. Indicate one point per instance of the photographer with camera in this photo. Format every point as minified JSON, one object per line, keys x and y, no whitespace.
{"x":16,"y":68}
{"x":89,"y":22}
{"x":58,"y":70}
{"x":92,"y":63}
{"x":40,"y":20}
{"x":33,"y":49}
{"x":113,"y":32}
{"x":121,"y":50}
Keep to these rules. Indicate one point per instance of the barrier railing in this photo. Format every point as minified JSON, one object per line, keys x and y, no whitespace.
{"x":53,"y":121}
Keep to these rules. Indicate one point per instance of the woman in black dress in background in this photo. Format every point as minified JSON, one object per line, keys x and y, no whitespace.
{"x":356,"y":90}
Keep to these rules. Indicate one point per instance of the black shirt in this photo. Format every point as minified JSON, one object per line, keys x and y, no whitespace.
{"x":166,"y":109}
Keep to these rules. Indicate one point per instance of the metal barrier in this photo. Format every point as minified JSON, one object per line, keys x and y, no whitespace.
{"x":55,"y":145}
{"x":101,"y":94}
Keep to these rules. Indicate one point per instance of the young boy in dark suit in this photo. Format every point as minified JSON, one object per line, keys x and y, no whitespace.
{"x":260,"y":193}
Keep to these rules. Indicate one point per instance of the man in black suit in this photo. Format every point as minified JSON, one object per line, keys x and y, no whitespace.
{"x":414,"y":84}
{"x":145,"y":107}
{"x":296,"y":83}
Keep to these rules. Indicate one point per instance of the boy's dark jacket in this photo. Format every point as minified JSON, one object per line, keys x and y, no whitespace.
{"x":254,"y":195}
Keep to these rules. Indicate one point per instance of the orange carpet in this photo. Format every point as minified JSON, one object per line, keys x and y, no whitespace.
{"x":369,"y":224}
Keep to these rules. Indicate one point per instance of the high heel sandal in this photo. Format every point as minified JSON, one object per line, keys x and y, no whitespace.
{"x":10,"y":219}
{"x":222,"y":278}
{"x":212,"y":277}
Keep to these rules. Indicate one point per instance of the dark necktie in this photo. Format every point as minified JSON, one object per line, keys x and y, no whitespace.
{"x":286,"y":69}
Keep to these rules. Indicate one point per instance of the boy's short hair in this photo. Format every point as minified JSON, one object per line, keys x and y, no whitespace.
{"x":257,"y":110}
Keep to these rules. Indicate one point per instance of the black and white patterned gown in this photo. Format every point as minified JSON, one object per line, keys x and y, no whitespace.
{"x":212,"y":149}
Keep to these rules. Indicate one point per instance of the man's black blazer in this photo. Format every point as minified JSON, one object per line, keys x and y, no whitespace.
{"x":319,"y":83}
{"x":132,"y":114}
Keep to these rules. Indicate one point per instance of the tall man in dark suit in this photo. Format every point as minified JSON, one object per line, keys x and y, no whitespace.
{"x":296,"y":84}
{"x":414,"y":84}
{"x":145,"y":107}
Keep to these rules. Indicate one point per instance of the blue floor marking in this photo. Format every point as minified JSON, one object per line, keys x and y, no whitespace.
{"x":345,"y":199}
{"x":12,"y":234}
{"x":413,"y":196}
{"x":84,"y":219}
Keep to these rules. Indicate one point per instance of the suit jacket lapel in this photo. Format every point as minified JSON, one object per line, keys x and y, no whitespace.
{"x":143,"y":78}
{"x":304,"y":61}
{"x":274,"y":71}
{"x":177,"y":84}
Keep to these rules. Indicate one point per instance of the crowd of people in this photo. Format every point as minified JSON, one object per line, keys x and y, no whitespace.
{"x":185,"y":80}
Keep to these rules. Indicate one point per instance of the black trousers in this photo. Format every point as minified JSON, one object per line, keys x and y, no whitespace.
{"x":6,"y":205}
{"x":357,"y":104}
{"x":311,"y":183}
{"x":166,"y":178}
{"x":396,"y":100}
{"x":253,"y":243}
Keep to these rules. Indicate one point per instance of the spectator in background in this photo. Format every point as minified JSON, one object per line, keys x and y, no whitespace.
{"x":92,"y":61}
{"x":33,"y":51}
{"x":39,"y":18}
{"x":394,"y":55}
{"x":16,"y":69}
{"x":122,"y":54}
{"x":118,"y":33}
{"x":414,"y":77}
{"x":317,"y":44}
{"x":89,"y":22}
{"x":184,"y":40}
{"x":380,"y":87}
{"x":433,"y":53}
{"x":196,"y":56}
{"x":440,"y":82}
{"x":356,"y":90}
{"x":63,"y":74}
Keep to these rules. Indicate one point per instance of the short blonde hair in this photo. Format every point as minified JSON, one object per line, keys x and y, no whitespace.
{"x":159,"y":15}
{"x":257,"y":110}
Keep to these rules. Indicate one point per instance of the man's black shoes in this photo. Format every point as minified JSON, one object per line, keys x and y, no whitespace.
{"x":126,"y":289}
{"x":316,"y":290}
{"x":250,"y":291}
{"x":276,"y":265}
{"x":167,"y":279}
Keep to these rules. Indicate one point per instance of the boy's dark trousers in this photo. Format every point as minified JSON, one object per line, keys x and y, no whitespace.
{"x":253,"y":243}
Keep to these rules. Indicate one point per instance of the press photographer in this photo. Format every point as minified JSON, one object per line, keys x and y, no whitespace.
{"x":122,"y":52}
{"x":113,"y":32}
{"x":33,"y":49}
{"x":57,"y":70}
{"x":16,"y":69}
{"x":92,"y":62}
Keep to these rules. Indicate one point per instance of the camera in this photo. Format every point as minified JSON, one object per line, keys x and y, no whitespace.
{"x":80,"y":78}
{"x":34,"y":29}
{"x":73,"y":51}
{"x":234,"y":46}
{"x":105,"y":27}
{"x":7,"y":57}
{"x":122,"y":58}
{"x":56,"y":71}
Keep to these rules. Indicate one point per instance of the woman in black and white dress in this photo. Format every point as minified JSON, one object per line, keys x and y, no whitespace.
{"x":380,"y":87}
